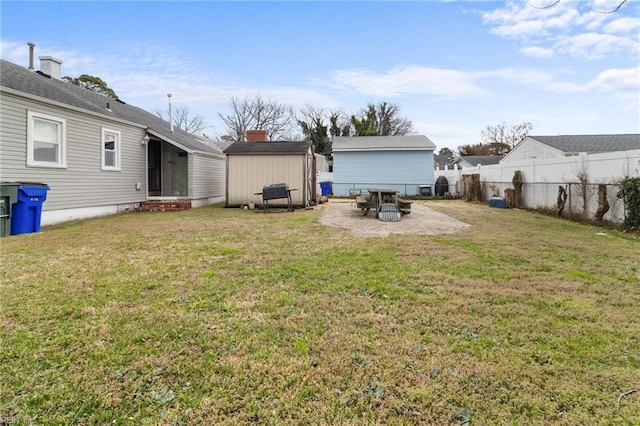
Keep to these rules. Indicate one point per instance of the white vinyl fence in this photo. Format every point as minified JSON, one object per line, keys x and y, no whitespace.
{"x":580,"y":175}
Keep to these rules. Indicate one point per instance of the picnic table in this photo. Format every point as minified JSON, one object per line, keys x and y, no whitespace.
{"x":388,"y":207}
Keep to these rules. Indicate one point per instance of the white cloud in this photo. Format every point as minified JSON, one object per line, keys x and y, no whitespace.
{"x":617,"y":79}
{"x":407,"y":80}
{"x":18,"y":53}
{"x":518,"y":19}
{"x":621,"y":83}
{"x":571,"y":27}
{"x":537,"y":52}
{"x":623,"y":26}
{"x":524,"y":76}
{"x":521,"y":29}
{"x":595,"y":45}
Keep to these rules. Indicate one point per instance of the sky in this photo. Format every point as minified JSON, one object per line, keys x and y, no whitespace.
{"x":453,"y":67}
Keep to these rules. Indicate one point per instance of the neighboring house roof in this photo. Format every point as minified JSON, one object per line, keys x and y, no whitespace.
{"x":269,"y":148}
{"x":382,"y":143}
{"x":474,"y":160}
{"x":573,"y":144}
{"x":40,"y":85}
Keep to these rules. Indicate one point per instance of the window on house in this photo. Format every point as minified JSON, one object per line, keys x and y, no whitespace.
{"x":46,"y":140}
{"x":110,"y":149}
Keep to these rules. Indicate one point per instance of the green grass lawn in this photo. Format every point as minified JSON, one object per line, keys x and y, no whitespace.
{"x":228,"y":316}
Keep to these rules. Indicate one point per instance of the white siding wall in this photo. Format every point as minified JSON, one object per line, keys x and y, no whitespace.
{"x":322,"y":164}
{"x":82,"y":185}
{"x":248,"y":174}
{"x":207,"y":177}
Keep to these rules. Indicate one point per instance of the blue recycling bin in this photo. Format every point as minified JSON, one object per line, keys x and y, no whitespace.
{"x":26,"y":213}
{"x":326,"y":188}
{"x":498,"y":202}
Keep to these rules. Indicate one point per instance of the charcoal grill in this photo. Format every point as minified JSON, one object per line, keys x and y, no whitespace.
{"x":276,"y":191}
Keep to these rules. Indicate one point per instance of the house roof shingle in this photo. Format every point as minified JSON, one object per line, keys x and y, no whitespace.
{"x":572,"y":144}
{"x":382,"y":143}
{"x":269,"y":148}
{"x":20,"y":79}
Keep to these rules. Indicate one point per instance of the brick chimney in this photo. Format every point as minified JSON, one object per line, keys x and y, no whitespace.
{"x":256,"y":136}
{"x":51,"y":66}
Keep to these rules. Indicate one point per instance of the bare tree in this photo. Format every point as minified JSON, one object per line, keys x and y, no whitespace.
{"x":185,"y":119}
{"x":390,"y":123}
{"x":271,"y":116}
{"x":313,"y":123}
{"x":339,"y":124}
{"x":240,"y":119}
{"x":498,"y":139}
{"x":504,"y":136}
{"x":257,"y":114}
{"x":583,"y":189}
{"x":381,"y":120}
{"x":481,"y":149}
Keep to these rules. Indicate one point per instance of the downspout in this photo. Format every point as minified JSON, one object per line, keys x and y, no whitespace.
{"x":146,"y":169}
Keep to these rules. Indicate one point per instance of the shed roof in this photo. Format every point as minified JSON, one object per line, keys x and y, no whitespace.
{"x":40,"y":85}
{"x":269,"y":148}
{"x":591,"y":143}
{"x":383,"y":143}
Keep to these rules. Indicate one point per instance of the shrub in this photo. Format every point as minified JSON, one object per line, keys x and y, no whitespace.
{"x":630,"y":194}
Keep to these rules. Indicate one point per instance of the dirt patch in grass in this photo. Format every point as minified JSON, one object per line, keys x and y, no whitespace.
{"x":421,"y":220}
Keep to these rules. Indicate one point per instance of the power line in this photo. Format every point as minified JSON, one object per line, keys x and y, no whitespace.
{"x":544,"y":7}
{"x":611,"y":11}
{"x":555,"y":3}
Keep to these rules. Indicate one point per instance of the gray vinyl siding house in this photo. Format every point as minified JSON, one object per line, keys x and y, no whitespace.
{"x":109,"y":156}
{"x":403,"y":163}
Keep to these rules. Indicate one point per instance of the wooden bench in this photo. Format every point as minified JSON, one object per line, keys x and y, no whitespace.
{"x":365,"y":203}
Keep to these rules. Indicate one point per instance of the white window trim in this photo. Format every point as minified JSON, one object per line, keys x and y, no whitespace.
{"x":62,"y":163}
{"x":118,"y":148}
